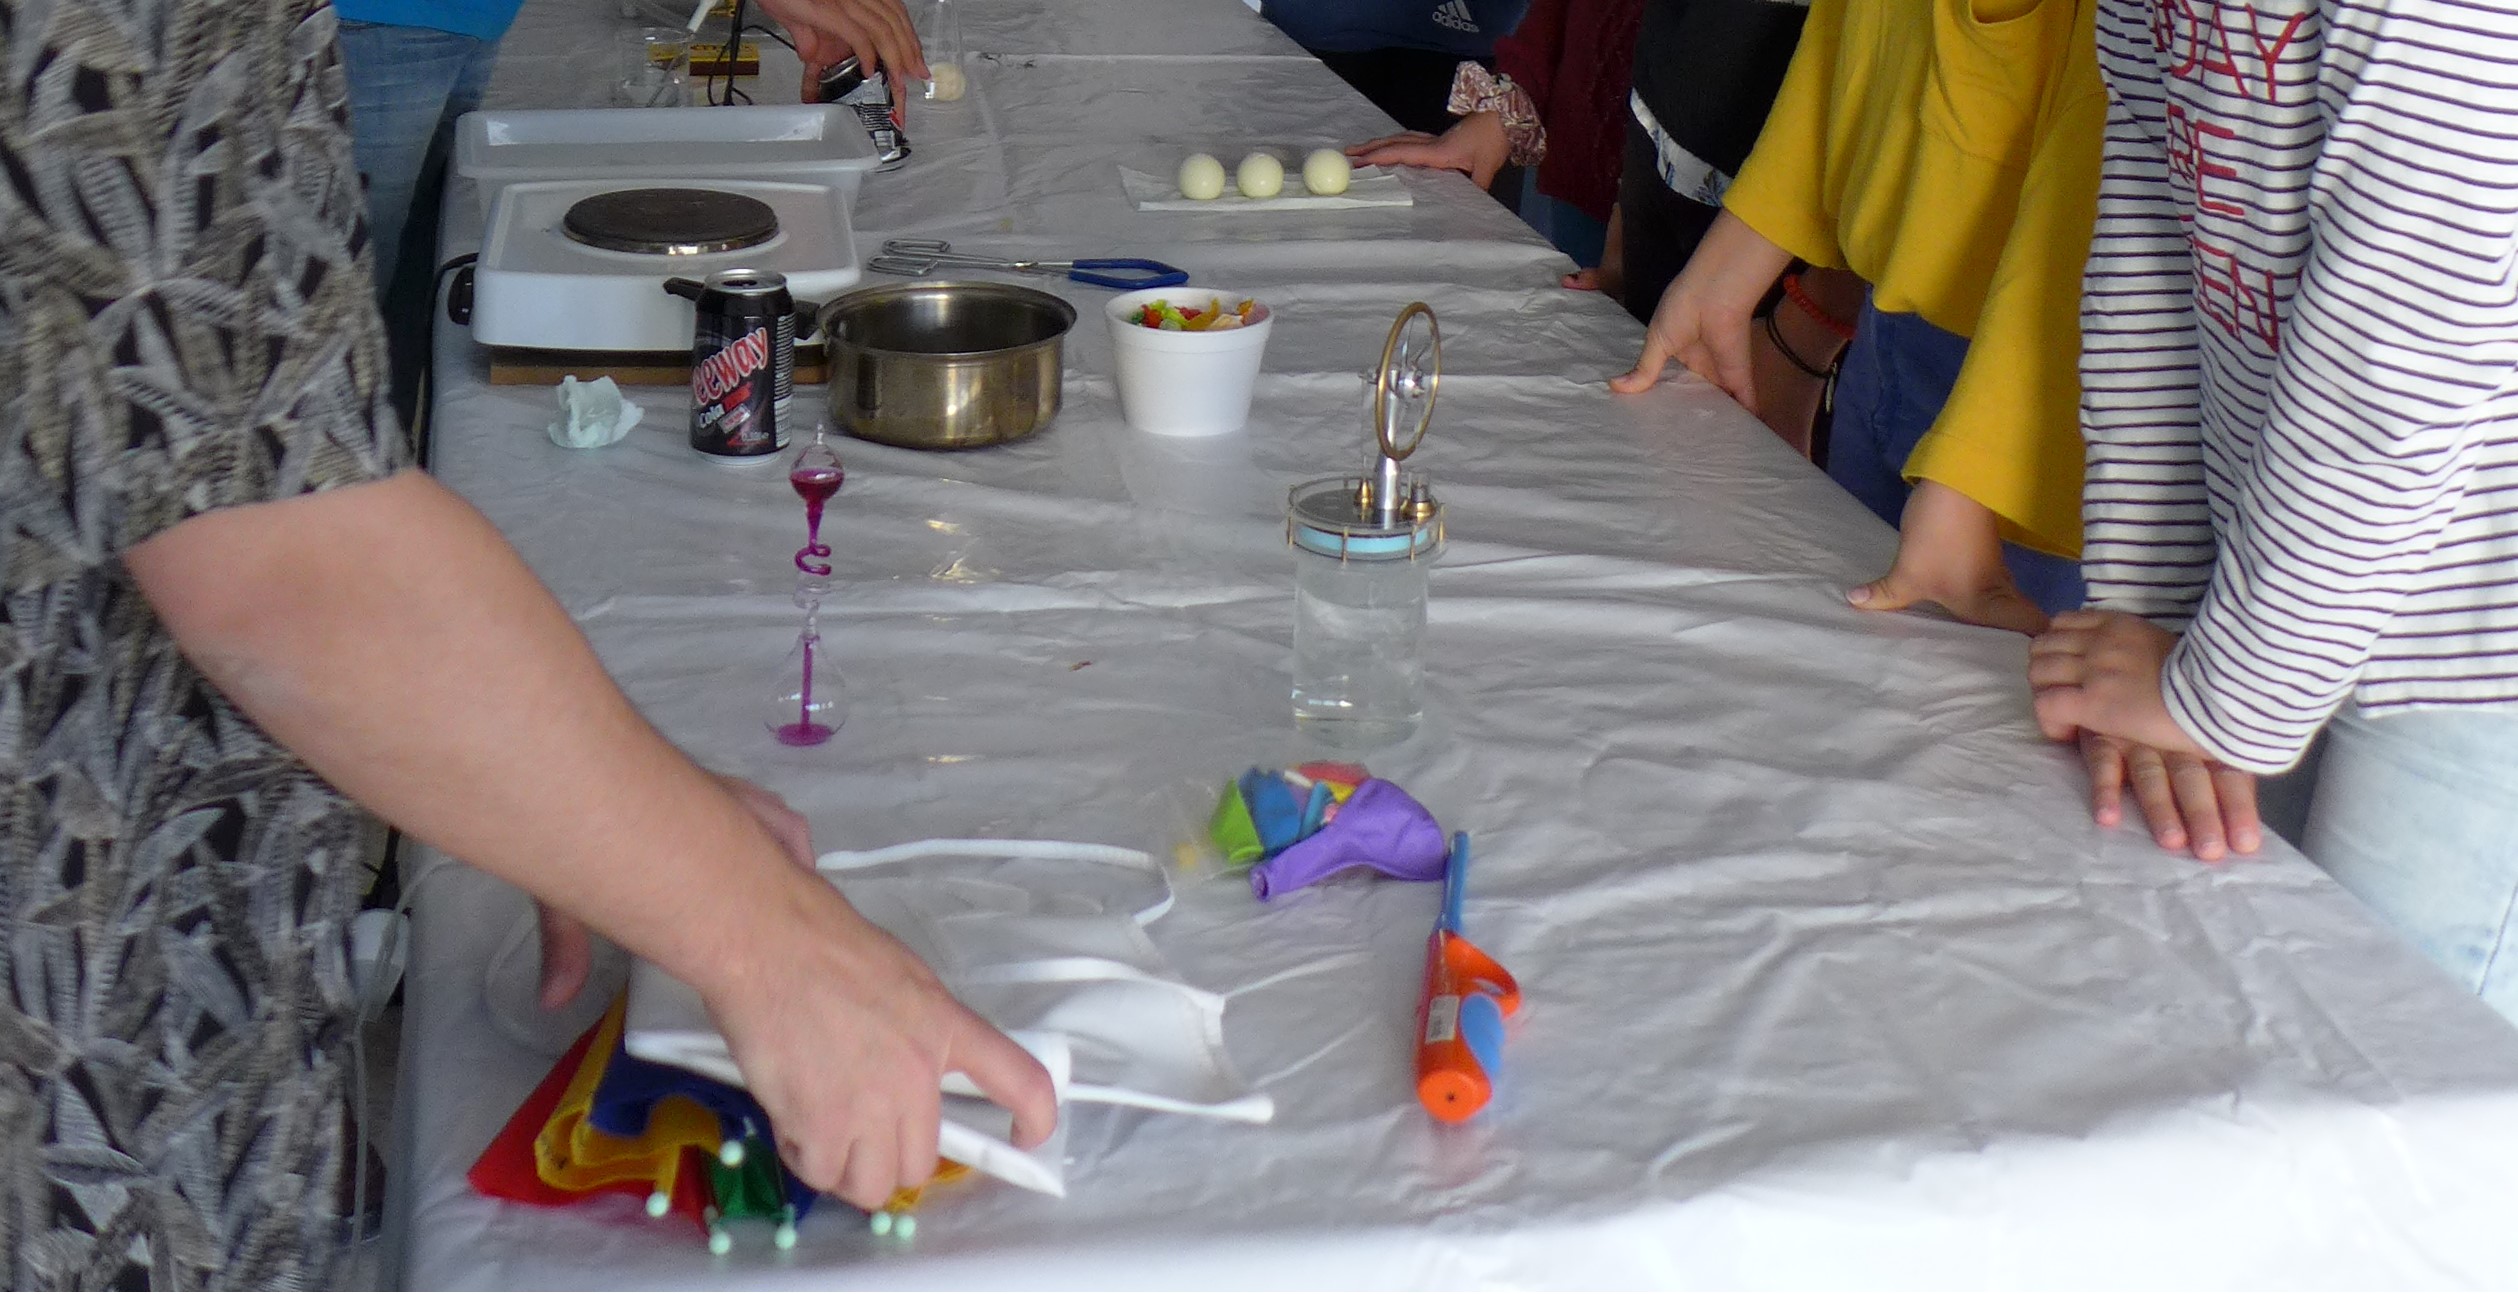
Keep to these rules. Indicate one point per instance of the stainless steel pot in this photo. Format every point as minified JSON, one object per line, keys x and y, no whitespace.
{"x":945,"y":365}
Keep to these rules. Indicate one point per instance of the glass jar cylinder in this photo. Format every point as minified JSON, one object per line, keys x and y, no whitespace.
{"x":1359,"y":647}
{"x":1362,"y":572}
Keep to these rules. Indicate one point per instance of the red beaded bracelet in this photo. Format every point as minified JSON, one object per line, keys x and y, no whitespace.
{"x":1801,"y":297}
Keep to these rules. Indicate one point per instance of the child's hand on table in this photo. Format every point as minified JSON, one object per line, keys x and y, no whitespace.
{"x":1475,"y":146}
{"x":1703,"y":319}
{"x":1609,"y":276}
{"x":2097,"y":679}
{"x":1949,"y":552}
{"x":2190,"y":802}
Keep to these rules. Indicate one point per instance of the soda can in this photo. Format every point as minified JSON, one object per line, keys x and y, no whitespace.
{"x":743,"y":362}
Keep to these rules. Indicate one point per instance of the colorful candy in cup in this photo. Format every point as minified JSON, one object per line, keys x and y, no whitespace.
{"x":1214,"y":316}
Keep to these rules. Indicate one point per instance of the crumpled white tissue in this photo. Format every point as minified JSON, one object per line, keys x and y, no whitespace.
{"x":592,"y":414}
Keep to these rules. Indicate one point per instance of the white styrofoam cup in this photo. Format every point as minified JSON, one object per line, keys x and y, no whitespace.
{"x":1185,"y":383}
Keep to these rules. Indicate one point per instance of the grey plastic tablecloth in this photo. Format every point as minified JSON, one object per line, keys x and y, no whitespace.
{"x":1830,"y":980}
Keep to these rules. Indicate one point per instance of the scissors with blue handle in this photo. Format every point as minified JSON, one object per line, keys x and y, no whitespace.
{"x":918,"y":257}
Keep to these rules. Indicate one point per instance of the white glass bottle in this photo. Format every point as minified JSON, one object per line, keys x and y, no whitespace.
{"x":940,"y":38}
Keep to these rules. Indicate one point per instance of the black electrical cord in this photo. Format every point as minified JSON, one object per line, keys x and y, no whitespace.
{"x":734,"y":49}
{"x":458,"y":307}
{"x":734,"y":92}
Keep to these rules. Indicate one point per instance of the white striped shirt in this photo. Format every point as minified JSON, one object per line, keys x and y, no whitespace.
{"x":2300,"y":357}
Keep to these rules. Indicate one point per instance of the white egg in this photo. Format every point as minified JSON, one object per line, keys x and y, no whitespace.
{"x":1260,"y":176}
{"x":950,"y":82}
{"x":1326,"y":171}
{"x":1201,"y":178}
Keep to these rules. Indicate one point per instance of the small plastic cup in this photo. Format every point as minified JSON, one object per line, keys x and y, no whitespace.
{"x":1185,"y":383}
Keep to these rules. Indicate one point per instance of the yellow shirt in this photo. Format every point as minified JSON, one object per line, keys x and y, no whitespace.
{"x":1947,"y":151}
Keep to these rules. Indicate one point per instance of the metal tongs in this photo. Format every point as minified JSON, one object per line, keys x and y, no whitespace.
{"x":919,"y":257}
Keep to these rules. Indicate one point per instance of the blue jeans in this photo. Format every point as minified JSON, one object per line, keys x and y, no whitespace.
{"x":407,"y":86}
{"x":2416,"y":814}
{"x":1897,"y":374}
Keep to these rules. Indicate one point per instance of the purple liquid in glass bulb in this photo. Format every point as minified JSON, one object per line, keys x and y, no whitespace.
{"x":815,"y":483}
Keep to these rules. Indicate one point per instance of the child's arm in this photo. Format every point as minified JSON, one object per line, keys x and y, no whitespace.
{"x":2003,"y":457}
{"x":1703,"y":318}
{"x":2146,"y":528}
{"x":2396,"y":362}
{"x":2009,"y":436}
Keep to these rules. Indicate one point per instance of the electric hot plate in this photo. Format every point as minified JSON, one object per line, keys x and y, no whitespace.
{"x":580,"y":265}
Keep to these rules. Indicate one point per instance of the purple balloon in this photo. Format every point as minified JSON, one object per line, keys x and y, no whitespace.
{"x":1380,"y":827}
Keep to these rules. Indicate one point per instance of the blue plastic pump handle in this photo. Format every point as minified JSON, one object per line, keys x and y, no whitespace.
{"x":1481,"y":1016}
{"x":1455,"y":881}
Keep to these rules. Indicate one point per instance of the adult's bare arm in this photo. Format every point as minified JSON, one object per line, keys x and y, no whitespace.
{"x":389,"y":636}
{"x":878,"y":32}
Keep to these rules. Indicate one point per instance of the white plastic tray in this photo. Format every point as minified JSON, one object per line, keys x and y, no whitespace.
{"x":798,"y":143}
